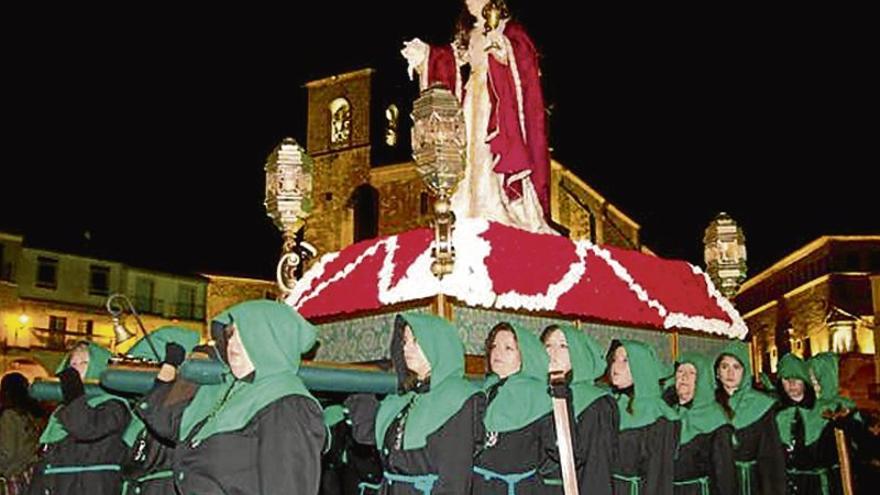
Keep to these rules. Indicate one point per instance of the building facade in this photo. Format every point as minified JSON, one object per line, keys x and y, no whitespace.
{"x":365,"y":183}
{"x":817,"y":299}
{"x":51,"y":299}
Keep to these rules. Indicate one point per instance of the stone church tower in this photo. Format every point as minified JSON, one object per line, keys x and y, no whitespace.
{"x":365,"y":182}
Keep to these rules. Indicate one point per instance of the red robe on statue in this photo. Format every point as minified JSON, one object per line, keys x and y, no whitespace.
{"x":517,"y":131}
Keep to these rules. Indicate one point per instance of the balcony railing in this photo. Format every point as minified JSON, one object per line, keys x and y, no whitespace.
{"x":189,"y":311}
{"x":60,"y":340}
{"x":149,"y":306}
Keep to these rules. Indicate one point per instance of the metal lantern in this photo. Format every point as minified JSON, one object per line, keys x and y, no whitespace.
{"x":438,"y":140}
{"x":288,"y":202}
{"x":725,"y":254}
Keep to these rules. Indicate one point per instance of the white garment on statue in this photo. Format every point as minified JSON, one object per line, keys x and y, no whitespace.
{"x":480,"y":194}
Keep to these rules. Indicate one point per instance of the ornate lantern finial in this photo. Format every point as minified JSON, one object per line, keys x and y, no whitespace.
{"x":725,"y":254}
{"x":288,"y":202}
{"x":438,"y":140}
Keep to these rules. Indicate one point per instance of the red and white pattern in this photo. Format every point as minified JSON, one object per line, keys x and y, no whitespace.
{"x":506,"y":268}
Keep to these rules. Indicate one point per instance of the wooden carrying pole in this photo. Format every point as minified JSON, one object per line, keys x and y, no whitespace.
{"x":845,"y":467}
{"x":563,"y":441}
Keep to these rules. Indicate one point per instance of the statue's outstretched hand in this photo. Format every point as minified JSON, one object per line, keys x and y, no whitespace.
{"x":415,"y":52}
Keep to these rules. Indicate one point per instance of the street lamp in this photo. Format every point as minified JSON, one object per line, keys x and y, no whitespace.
{"x":725,"y":254}
{"x":116,"y":306}
{"x":438,"y":141}
{"x":289,"y":203}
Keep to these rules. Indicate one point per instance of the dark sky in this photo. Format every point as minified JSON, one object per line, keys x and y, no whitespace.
{"x":150,"y":131}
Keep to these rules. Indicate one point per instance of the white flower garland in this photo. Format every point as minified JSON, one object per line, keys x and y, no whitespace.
{"x":469,"y":281}
{"x":349,"y":268}
{"x":624,"y":275}
{"x":737,"y":328}
{"x":549,"y":299}
{"x":471,"y":284}
{"x":309,"y":277}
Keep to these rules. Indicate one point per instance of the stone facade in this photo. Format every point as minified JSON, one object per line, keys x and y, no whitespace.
{"x":224,"y":291}
{"x":347,"y":181}
{"x":793,"y":305}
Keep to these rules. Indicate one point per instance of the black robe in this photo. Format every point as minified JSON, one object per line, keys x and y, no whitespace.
{"x":758,"y":449}
{"x":347,"y":464}
{"x":454,"y":444}
{"x":94,"y":438}
{"x":709,"y":455}
{"x":277,"y":452}
{"x":147,"y":468}
{"x":647,"y":453}
{"x":595,"y":444}
{"x":519,"y":451}
{"x":805,"y":463}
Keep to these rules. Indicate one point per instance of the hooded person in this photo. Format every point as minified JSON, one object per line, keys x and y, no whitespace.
{"x":704,"y":465}
{"x":351,"y":462}
{"x":259,"y":430}
{"x":147,"y":469}
{"x":514,"y":457}
{"x":426,"y":432}
{"x":594,"y":412}
{"x":82,"y":442}
{"x":758,"y":452}
{"x":649,"y":429}
{"x":812,"y":463}
{"x":21,"y":421}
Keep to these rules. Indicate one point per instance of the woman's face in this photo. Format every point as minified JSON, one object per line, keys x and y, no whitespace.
{"x":504,"y":358}
{"x":730,"y":372}
{"x":239,"y":362}
{"x":79,"y":360}
{"x":413,"y":356}
{"x":621,"y":376}
{"x":685,"y":382}
{"x":557,"y":349}
{"x":794,"y":388}
{"x":475,"y":7}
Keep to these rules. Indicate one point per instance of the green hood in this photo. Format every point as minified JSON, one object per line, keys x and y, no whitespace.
{"x":99,"y":359}
{"x":748,"y":404}
{"x":704,"y":415}
{"x":523,"y":397}
{"x":141,"y":349}
{"x":647,"y":402}
{"x":333,"y":415}
{"x":184,"y":337}
{"x":274,"y":336}
{"x":587,"y":365}
{"x":448,"y":389}
{"x":793,"y":367}
{"x":825,"y":368}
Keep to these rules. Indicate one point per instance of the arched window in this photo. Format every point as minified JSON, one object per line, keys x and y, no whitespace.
{"x":340,"y":122}
{"x":391,"y":117}
{"x":364,"y":203}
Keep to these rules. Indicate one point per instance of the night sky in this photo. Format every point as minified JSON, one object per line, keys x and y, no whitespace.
{"x":150,"y":132}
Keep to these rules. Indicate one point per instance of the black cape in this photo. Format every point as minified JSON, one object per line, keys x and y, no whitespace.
{"x":709,"y":455}
{"x":806,"y":465}
{"x":94,"y":438}
{"x":277,"y":452}
{"x":528,"y":448}
{"x":760,"y":457}
{"x":147,"y":468}
{"x":454,"y":442}
{"x":648,"y":454}
{"x":595,"y":447}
